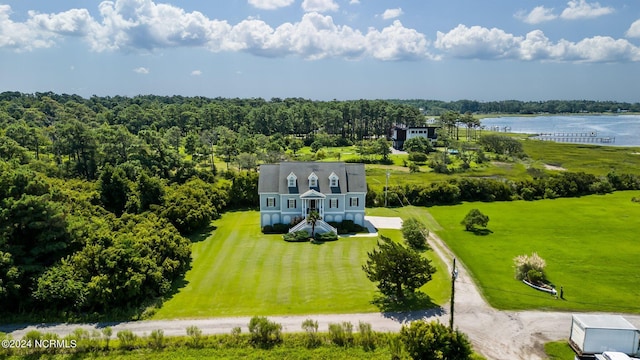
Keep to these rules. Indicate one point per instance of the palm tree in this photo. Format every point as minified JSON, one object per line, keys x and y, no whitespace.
{"x":312,"y":218}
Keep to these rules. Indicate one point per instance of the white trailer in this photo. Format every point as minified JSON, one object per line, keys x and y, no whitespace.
{"x":595,"y":334}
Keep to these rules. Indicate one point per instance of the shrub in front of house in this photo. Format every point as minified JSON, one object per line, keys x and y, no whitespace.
{"x":276,"y":229}
{"x":296,"y":236}
{"x":328,"y":236}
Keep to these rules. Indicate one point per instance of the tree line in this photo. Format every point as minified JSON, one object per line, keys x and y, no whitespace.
{"x":437,"y":107}
{"x":541,"y":186}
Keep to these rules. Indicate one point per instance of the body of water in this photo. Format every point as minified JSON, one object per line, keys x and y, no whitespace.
{"x":624,"y":128}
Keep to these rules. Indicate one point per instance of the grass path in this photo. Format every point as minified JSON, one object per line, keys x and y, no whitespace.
{"x":239,"y":271}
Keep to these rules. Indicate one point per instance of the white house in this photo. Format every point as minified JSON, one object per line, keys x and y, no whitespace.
{"x":291,"y":190}
{"x":400,"y":134}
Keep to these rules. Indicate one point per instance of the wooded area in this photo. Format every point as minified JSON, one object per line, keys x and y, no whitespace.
{"x":97,"y":195}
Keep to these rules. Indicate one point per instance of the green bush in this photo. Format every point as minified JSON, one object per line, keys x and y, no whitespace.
{"x":196,"y":336}
{"x":296,"y":236}
{"x":418,"y":157}
{"x":341,"y":334}
{"x":328,"y":236}
{"x":156,"y":339}
{"x":312,"y":339}
{"x":415,"y":234}
{"x":127,"y":339}
{"x":434,"y":341}
{"x":367,"y":337}
{"x":264,"y":333}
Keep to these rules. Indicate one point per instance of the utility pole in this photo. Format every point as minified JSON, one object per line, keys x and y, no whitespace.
{"x":454,"y":275}
{"x":386,"y":189}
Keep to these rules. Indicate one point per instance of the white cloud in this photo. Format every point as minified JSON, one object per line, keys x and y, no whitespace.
{"x":397,"y":42}
{"x":634,"y":30}
{"x":141,"y":70}
{"x":319,"y":5}
{"x":352,"y":2}
{"x":270,"y":4}
{"x":74,"y":22}
{"x":21,"y":36}
{"x":600,"y":49}
{"x":477,"y":42}
{"x":481,"y":43}
{"x":581,"y":9}
{"x":196,"y":73}
{"x":143,"y":25}
{"x":538,"y":15}
{"x":392,"y":13}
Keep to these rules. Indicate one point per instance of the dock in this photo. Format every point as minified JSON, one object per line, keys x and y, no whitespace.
{"x":576,"y":137}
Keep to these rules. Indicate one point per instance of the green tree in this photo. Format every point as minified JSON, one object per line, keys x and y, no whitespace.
{"x":247,"y":161}
{"x":227,"y":145}
{"x":383,"y":148}
{"x":189,"y":206}
{"x":295,"y":145}
{"x":312,"y":219}
{"x":415,"y":234}
{"x":434,"y":341}
{"x":192,"y":143}
{"x":473,"y":219}
{"x":115,"y":189}
{"x":397,"y":270}
{"x":418,"y":144}
{"x":150,"y":190}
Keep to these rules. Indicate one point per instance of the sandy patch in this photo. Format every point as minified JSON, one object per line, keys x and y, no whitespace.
{"x":553,"y":167}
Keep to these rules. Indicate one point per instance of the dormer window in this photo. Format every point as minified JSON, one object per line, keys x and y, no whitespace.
{"x":333,"y":180}
{"x":313,"y":180}
{"x":291,"y":180}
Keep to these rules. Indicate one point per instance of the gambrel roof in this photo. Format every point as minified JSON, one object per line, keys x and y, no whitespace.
{"x":273,"y":177}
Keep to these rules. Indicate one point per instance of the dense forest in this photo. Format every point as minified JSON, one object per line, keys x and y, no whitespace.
{"x":99,"y":197}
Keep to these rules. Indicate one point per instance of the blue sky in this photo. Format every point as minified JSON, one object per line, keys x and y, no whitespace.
{"x":324,"y":49}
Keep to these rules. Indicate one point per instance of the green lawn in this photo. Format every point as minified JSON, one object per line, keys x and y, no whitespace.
{"x":559,"y":350}
{"x":238,"y":271}
{"x":590,"y":245}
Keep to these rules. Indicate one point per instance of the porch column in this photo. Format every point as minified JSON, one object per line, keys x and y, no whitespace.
{"x":304,"y":208}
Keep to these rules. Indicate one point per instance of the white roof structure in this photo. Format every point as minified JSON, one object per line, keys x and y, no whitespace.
{"x":597,"y":321}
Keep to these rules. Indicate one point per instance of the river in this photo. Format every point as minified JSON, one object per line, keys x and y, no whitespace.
{"x":620,"y":130}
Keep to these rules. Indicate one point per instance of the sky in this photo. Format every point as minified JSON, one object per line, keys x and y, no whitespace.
{"x":530,"y":50}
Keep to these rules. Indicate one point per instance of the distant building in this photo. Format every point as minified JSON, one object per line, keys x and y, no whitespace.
{"x":291,"y":190}
{"x":400,"y":134}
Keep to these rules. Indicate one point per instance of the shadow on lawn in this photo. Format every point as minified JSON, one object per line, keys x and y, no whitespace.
{"x":416,"y":306}
{"x":481,"y":232}
{"x":202,"y":234}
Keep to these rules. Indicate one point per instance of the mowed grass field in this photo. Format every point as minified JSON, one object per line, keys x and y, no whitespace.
{"x":238,"y":271}
{"x":591,"y":246}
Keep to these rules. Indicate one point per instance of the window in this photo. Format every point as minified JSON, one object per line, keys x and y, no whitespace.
{"x":271,"y":202}
{"x":333,"y":203}
{"x":291,"y":203}
{"x":353,"y":201}
{"x":291,"y":180}
{"x":333,"y":180}
{"x":313,"y":180}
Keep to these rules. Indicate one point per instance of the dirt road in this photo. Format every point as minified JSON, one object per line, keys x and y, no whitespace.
{"x":495,"y":334}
